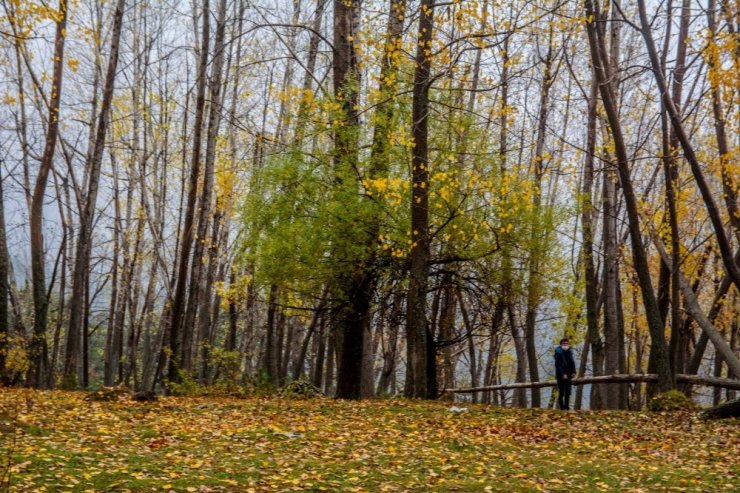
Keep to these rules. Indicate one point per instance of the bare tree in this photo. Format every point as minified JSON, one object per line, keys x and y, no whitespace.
{"x":177,"y":332}
{"x":81,"y":272}
{"x":600,"y":62}
{"x":707,"y":195}
{"x":38,"y":348}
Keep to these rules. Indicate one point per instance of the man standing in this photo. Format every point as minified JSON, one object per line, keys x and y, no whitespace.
{"x":565,"y":370}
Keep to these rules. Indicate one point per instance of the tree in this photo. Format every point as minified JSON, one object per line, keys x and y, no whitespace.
{"x":4,"y":291}
{"x":38,"y":347}
{"x":176,"y":328}
{"x":707,"y":195}
{"x":655,"y":324}
{"x":417,"y":332}
{"x":80,"y":276}
{"x":355,"y":285}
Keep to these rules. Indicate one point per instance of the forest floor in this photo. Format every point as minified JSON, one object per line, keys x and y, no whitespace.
{"x":57,"y":441}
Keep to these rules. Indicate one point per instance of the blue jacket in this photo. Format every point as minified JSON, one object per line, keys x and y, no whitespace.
{"x":564,"y":363}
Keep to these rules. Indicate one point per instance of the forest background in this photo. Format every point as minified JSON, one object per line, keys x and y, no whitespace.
{"x":378,"y":197}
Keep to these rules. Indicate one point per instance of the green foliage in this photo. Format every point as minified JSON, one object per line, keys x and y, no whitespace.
{"x":186,"y":387}
{"x":673,"y":400}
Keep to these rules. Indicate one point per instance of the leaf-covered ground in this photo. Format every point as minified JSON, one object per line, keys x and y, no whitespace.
{"x":57,"y":441}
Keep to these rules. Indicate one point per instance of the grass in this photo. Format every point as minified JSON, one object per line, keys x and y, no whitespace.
{"x":57,"y":441}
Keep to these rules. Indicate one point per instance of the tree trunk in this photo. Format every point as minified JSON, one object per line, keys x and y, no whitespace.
{"x":610,"y":393}
{"x":445,"y":371}
{"x":593,"y":336}
{"x":494,"y":344}
{"x":199,"y":295}
{"x":730,"y":409}
{"x":474,"y":375}
{"x":38,"y":348}
{"x":390,"y":350}
{"x":313,"y":50}
{"x":356,"y":320}
{"x":80,"y":275}
{"x":132,"y":341}
{"x":4,"y":277}
{"x":230,"y":343}
{"x":270,"y":362}
{"x":66,"y":251}
{"x":520,"y":397}
{"x":670,"y":163}
{"x":639,"y":256}
{"x":177,"y":330}
{"x":298,"y":367}
{"x":536,"y":241}
{"x":612,"y":342}
{"x":355,"y":286}
{"x":417,"y":383}
{"x":724,"y":286}
{"x":331,"y":357}
{"x":318,"y":367}
{"x":109,"y":355}
{"x":622,"y":367}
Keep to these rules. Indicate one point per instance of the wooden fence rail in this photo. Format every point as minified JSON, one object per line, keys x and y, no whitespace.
{"x":706,"y":381}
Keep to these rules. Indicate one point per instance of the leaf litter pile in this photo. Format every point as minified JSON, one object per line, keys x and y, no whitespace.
{"x":58,"y":441}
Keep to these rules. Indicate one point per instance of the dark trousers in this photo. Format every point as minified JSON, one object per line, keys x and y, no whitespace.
{"x":564,"y":393}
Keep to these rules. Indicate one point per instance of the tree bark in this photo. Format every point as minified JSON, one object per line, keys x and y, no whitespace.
{"x":520,"y":397}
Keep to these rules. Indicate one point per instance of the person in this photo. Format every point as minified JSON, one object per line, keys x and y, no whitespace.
{"x":565,"y":370}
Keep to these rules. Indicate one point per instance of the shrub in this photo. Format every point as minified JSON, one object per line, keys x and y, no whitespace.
{"x":673,"y":400}
{"x":300,"y":389}
{"x":16,"y":358}
{"x":186,"y":387}
{"x":190,"y":387}
{"x":227,"y":363}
